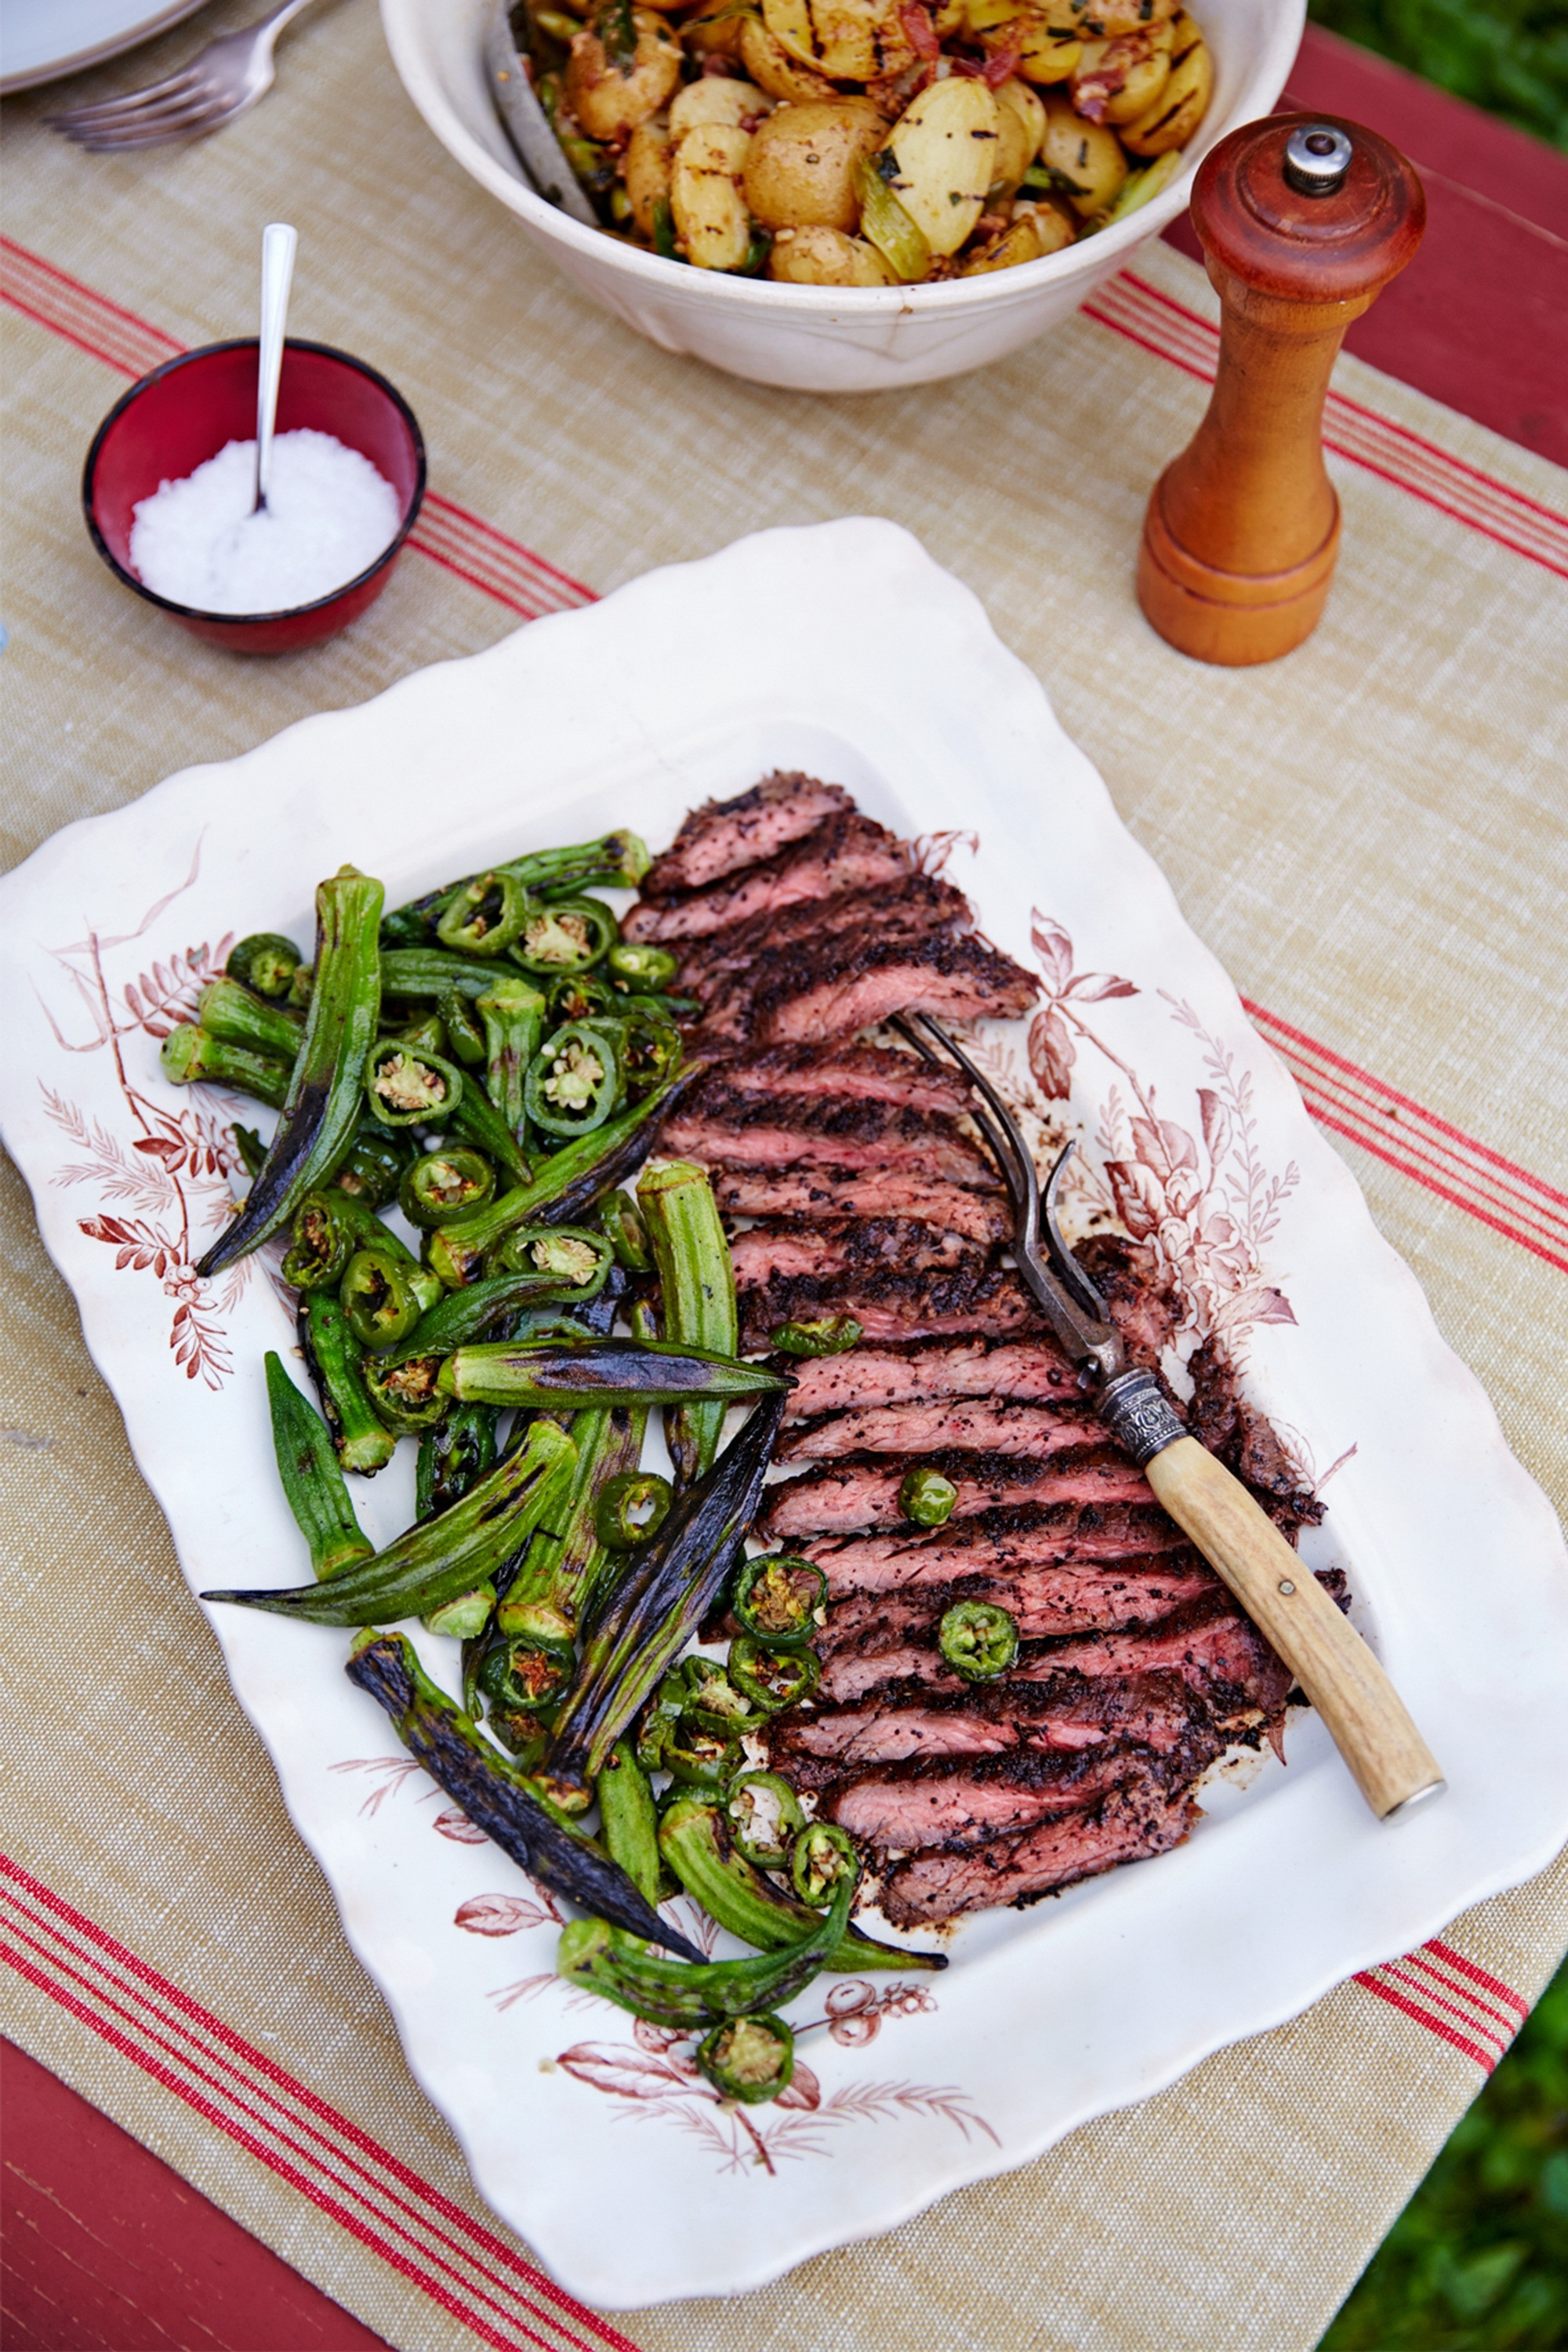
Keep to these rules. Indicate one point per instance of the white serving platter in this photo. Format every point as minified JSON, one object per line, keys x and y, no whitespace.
{"x":841,"y":649}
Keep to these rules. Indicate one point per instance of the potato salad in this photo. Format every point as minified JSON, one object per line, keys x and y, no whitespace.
{"x":862,"y":142}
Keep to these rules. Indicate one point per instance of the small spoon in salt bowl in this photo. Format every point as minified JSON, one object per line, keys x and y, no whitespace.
{"x":278,"y":246}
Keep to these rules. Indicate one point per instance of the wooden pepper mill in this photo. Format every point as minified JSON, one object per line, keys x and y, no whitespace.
{"x":1303,"y":220}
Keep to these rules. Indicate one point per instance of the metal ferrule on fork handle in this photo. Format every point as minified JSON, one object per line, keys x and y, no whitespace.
{"x":1138,"y":1415}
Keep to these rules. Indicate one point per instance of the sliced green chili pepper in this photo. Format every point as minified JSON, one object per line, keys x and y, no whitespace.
{"x":189,"y":1055}
{"x":427,"y":1035}
{"x":441,"y":1187}
{"x":265,"y":962}
{"x":313,"y":1482}
{"x":927,"y":1498}
{"x":773,"y":1679}
{"x":302,"y":987}
{"x":829,"y":1335}
{"x":513,"y":1015}
{"x":439,"y":1558}
{"x":550,"y":1586}
{"x":751,"y":2060}
{"x":650,"y":1052}
{"x":622,"y":1221}
{"x":574,"y":1082}
{"x":403,"y":1391}
{"x":777,"y":1597}
{"x":324,"y":1102}
{"x":556,"y":1377}
{"x":632,"y":1508}
{"x":328,"y":1228}
{"x":629,"y":1820}
{"x":566,"y":935}
{"x":821,"y":1858}
{"x":465,"y":1038}
{"x":593,"y":1956}
{"x":578,"y":1262}
{"x":641,"y":967}
{"x":701,"y":1759}
{"x":251,"y":1150}
{"x":384,"y":1294}
{"x":332,"y":1357}
{"x":978,"y":1640}
{"x":431,"y":972}
{"x":762,"y":1815}
{"x":524,"y":1674}
{"x":406,"y":1088}
{"x":713,"y":1701}
{"x":226,"y":1010}
{"x":619,"y":861}
{"x":581,"y":996}
{"x":498,"y":1799}
{"x":568,"y":1182}
{"x":454,"y":1456}
{"x":376,"y":1159}
{"x":708,"y":1858}
{"x":697,"y":1282}
{"x":478,"y":1120}
{"x":466,"y":1615}
{"x":484,"y":916}
{"x":652,"y":1614}
{"x":660,"y":1721}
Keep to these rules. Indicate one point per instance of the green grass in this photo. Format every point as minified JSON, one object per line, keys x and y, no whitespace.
{"x":1509,"y":56}
{"x":1478,"y":2262}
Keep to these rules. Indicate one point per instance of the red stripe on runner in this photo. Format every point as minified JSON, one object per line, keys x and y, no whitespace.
{"x":1479,"y":1976}
{"x":1479,"y":2010}
{"x":1464,"y":2011}
{"x":177,"y":2012}
{"x":1483,"y":2058}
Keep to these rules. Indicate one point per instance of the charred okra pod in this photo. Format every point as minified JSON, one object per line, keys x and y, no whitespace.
{"x":360,"y":1439}
{"x":695,"y":1841}
{"x":324,"y":1103}
{"x":439,"y":1559}
{"x":629,"y":1819}
{"x":313,"y":1482}
{"x":697,"y":1282}
{"x":545,"y":1598}
{"x":463,"y":1315}
{"x":430,"y":972}
{"x":497,"y":1797}
{"x":454,"y":1456}
{"x":652,"y":1615}
{"x":189,"y":1055}
{"x":558,"y":1377}
{"x":226,"y":1010}
{"x":619,"y":861}
{"x":513,"y":1015}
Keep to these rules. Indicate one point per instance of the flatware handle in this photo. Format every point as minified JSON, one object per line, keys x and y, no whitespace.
{"x":1371,"y":1726}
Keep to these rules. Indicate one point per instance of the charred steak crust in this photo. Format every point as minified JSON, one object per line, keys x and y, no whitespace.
{"x":721,"y":837}
{"x":846,"y":852}
{"x":812,"y":1194}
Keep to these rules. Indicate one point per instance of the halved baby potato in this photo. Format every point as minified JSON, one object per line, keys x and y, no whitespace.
{"x":649,"y":153}
{"x":800,"y":172}
{"x":705,"y":199}
{"x":1117,"y":81}
{"x":847,"y":40}
{"x":1183,"y":100}
{"x":715,"y":98}
{"x":772,"y":68}
{"x":608,"y":103}
{"x":826,"y":257}
{"x":1020,"y":128}
{"x":943,"y":152}
{"x":1086,"y":159}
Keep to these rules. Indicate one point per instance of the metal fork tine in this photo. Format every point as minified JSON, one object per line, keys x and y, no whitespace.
{"x":142,"y":117}
{"x":129,"y":102}
{"x":182,"y":123}
{"x":995,"y":1144}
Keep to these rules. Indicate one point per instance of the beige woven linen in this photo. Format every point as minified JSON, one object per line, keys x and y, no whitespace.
{"x":1373,"y":837}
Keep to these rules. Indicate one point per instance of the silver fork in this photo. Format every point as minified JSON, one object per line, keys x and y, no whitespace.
{"x":221,"y":81}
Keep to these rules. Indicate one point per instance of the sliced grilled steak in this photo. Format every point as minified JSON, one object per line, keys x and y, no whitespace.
{"x":847,"y":852}
{"x":909,"y":1806}
{"x":1034,"y":1430}
{"x":1135,"y":1821}
{"x":840,"y":1246}
{"x":725,"y":1125}
{"x":1217,"y":1651}
{"x":721,"y":837}
{"x":1045,"y":1601}
{"x":865,"y":1073}
{"x":842,"y":1495}
{"x":897,"y":1305}
{"x":1035,"y":1373}
{"x":854,"y":981}
{"x":818,"y":1192}
{"x":998,"y":1543}
{"x":904,"y":909}
{"x":1057,"y":1715}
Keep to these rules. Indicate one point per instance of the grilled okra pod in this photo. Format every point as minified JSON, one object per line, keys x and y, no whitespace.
{"x":497,"y":1797}
{"x":619,"y":861}
{"x":545,"y":1599}
{"x":697,"y":1282}
{"x":629,"y":1819}
{"x":454,"y":1456}
{"x":513,"y":1015}
{"x":521,"y":1372}
{"x":189,"y":1055}
{"x":695,"y":1841}
{"x":313,"y":1482}
{"x":464,"y":1315}
{"x":324,"y":1102}
{"x":360,"y":1439}
{"x":226,"y":1010}
{"x":266,"y":962}
{"x":441,"y":1558}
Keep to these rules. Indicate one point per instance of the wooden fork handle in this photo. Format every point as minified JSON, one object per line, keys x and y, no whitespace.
{"x":1372,"y":1728}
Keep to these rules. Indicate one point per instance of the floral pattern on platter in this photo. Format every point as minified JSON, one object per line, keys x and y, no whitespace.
{"x":162,"y":1184}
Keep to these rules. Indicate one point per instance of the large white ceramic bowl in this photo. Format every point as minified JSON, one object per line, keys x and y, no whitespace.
{"x":820,"y":338}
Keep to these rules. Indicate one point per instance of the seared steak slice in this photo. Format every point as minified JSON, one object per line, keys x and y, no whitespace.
{"x":998,"y":1543}
{"x":724,"y":1124}
{"x":1033,"y":1373}
{"x":1136,"y":1820}
{"x":897,"y":1305}
{"x":975,"y":1424}
{"x":866,"y":1072}
{"x":845,"y":1495}
{"x":847,"y":852}
{"x":842,"y":1246}
{"x":723,"y":836}
{"x":853,"y":983}
{"x":1045,"y":1601}
{"x":909,"y":1806}
{"x":870,"y":1192}
{"x":1057,"y":1715}
{"x":1217,"y":1651}
{"x":904,"y":909}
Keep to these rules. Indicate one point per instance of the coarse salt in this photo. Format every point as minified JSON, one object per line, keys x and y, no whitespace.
{"x":329,"y":515}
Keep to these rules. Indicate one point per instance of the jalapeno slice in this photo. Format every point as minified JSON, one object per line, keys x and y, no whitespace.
{"x":523,"y":1676}
{"x":265,"y":962}
{"x":776,"y":1598}
{"x":567,"y":936}
{"x":404,"y":1395}
{"x":581,"y":996}
{"x":927,"y":1498}
{"x":750,"y":2059}
{"x":698,"y":1759}
{"x":661,"y":1722}
{"x":465,"y":1038}
{"x":818,"y":1860}
{"x":641,"y":968}
{"x":406,"y":1087}
{"x":828,"y":1335}
{"x":713,"y":1703}
{"x":578,"y":1261}
{"x":978,"y":1640}
{"x":631,"y":1508}
{"x":426,"y":1033}
{"x":381,"y":1296}
{"x":773,"y":1679}
{"x":651,"y":1052}
{"x":374,"y":1168}
{"x":764,"y":1817}
{"x":485,"y":916}
{"x":443,"y":1186}
{"x":573,"y":1081}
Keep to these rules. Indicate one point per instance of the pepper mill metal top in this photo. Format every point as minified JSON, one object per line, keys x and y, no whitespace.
{"x":1303,"y":220}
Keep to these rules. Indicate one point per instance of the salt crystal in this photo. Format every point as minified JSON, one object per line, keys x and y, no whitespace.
{"x":329,"y":515}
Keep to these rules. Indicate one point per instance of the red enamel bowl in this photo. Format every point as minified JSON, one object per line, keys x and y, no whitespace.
{"x":189,"y":409}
